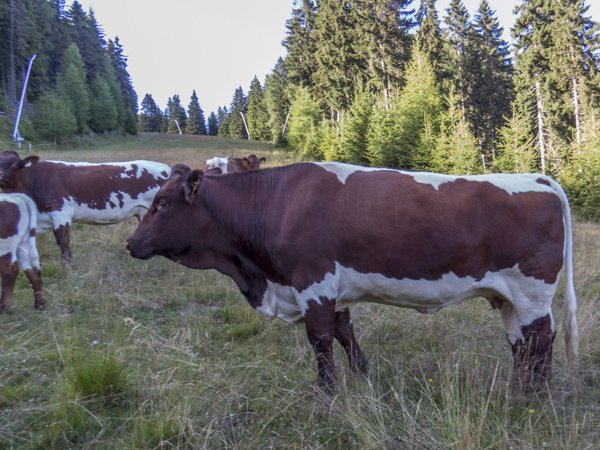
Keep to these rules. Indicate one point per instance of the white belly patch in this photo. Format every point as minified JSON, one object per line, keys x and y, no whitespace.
{"x":532,"y":298}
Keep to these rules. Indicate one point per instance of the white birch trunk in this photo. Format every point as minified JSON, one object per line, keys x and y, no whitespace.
{"x":541,"y":128}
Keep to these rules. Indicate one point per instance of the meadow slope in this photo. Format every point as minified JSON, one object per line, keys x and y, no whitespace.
{"x":149,"y":354}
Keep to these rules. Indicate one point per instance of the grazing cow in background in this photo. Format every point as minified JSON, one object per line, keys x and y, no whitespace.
{"x":234,"y":165}
{"x":304,"y":242}
{"x":18,"y":216}
{"x":96,"y":194}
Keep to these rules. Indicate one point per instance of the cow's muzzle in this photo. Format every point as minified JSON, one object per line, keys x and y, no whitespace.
{"x":135,"y":252}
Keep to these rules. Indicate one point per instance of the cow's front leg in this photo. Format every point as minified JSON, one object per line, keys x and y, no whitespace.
{"x":344,"y":333}
{"x":8,"y":273}
{"x":62,"y":233}
{"x":319,"y":319}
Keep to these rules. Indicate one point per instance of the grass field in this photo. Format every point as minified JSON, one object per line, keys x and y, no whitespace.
{"x":149,"y":354}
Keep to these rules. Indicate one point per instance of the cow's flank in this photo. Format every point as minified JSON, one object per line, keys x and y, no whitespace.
{"x":18,"y":247}
{"x":304,"y":242}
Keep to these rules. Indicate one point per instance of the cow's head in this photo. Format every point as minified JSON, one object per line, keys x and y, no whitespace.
{"x":10,"y":168}
{"x":173,"y":223}
{"x":252,"y":162}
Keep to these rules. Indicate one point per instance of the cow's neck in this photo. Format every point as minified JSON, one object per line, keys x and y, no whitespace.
{"x":238,"y":246}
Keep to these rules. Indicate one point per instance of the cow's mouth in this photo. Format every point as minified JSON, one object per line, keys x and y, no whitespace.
{"x":136,"y":253}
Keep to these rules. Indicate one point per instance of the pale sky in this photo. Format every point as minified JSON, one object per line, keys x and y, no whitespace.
{"x":216,"y":46}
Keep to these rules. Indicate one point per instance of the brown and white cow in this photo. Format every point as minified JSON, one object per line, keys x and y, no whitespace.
{"x":18,"y":216}
{"x":304,"y":242}
{"x":234,"y":165}
{"x":96,"y":194}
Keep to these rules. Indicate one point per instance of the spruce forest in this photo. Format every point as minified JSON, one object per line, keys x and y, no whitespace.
{"x":379,"y":83}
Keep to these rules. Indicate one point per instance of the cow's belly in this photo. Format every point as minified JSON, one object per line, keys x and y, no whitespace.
{"x":120,"y":207}
{"x":349,"y":287}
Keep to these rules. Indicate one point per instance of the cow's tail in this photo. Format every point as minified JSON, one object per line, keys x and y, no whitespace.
{"x":570,"y":306}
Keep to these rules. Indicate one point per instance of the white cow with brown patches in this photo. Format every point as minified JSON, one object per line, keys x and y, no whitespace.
{"x":304,"y":242}
{"x":90,"y":193}
{"x":234,"y":165}
{"x":18,"y":246}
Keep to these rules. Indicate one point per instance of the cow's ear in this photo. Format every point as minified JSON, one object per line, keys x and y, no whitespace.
{"x":263,"y":159}
{"x":192,"y":185}
{"x":31,"y":159}
{"x":180,"y":169}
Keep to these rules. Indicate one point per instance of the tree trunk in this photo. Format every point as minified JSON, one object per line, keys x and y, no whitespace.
{"x":12,"y":90}
{"x":245,"y":126}
{"x":541,"y":129}
{"x":576,"y":104}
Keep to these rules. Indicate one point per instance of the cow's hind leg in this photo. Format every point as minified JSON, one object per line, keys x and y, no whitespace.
{"x":344,"y":333}
{"x":35,"y":278}
{"x":319,"y":319}
{"x":63,"y":239}
{"x":8,"y":273}
{"x":531,"y":345}
{"x":29,"y":258}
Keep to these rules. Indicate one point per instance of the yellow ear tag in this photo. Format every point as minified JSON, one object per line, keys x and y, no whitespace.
{"x":195,"y":188}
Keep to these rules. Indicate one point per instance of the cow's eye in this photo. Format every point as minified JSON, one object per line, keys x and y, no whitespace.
{"x":161,"y":204}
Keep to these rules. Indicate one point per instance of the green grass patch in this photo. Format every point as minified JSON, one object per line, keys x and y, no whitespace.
{"x":149,"y":354}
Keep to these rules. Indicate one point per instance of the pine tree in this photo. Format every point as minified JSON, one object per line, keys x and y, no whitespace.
{"x":432,"y":42}
{"x":457,"y":35}
{"x":195,"y":123}
{"x":55,"y":119}
{"x":60,"y":39}
{"x":257,"y":116}
{"x":115,"y":92}
{"x":223,"y":119}
{"x":465,"y":158}
{"x":14,"y":23}
{"x":213,"y":124}
{"x":338,"y":62}
{"x":237,"y":112}
{"x":418,"y":103}
{"x":575,"y":64}
{"x":277,"y":101}
{"x":331,"y":138}
{"x":356,"y":130}
{"x":119,"y":64}
{"x":103,"y":111}
{"x":581,"y":177}
{"x":490,"y":82}
{"x":456,"y":152}
{"x":304,"y":127}
{"x":383,"y":40}
{"x":176,"y":115}
{"x":516,"y":149}
{"x":89,"y":38}
{"x":300,"y":44}
{"x":150,"y":115}
{"x":71,"y":86}
{"x":533,"y":40}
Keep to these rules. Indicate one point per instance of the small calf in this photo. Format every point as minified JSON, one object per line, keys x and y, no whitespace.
{"x":18,"y":218}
